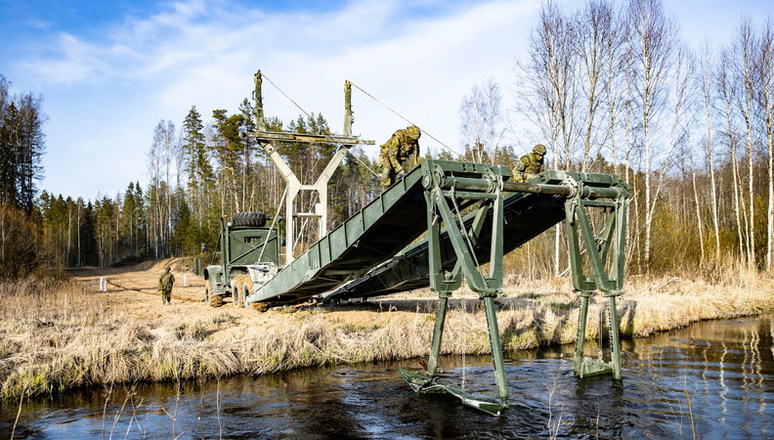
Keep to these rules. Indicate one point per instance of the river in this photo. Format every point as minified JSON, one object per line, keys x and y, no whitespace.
{"x":713,"y":379}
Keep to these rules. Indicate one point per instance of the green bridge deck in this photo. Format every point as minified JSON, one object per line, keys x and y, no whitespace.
{"x":526,"y":216}
{"x":372,"y":253}
{"x":374,"y":234}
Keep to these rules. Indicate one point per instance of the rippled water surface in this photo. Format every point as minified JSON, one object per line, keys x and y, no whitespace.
{"x":710,"y":380}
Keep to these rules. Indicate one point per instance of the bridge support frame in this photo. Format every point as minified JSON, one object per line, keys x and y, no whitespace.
{"x":606,"y":270}
{"x":440,"y":192}
{"x":294,"y":187}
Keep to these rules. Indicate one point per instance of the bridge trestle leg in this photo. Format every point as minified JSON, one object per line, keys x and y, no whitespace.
{"x":606,"y":272}
{"x":440,"y":320}
{"x":497,"y":349}
{"x":615,"y":343}
{"x":580,"y":338}
{"x":444,"y":281}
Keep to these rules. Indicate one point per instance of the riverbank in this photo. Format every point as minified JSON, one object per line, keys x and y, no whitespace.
{"x":56,"y":335}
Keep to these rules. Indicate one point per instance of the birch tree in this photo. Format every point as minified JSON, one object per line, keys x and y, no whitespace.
{"x":743,"y":71}
{"x":765,"y":97}
{"x":595,"y":37}
{"x":654,"y":40}
{"x":482,"y":122}
{"x":548,"y":88}
{"x":709,"y":149}
{"x":726,"y":92}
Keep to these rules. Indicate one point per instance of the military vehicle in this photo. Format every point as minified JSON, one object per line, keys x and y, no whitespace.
{"x":249,"y":255}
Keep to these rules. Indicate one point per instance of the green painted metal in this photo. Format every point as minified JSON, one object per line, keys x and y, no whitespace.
{"x":606,"y":270}
{"x":422,"y":383}
{"x":539,"y":205}
{"x":496,"y":348}
{"x":240,"y":247}
{"x":374,"y":234}
{"x":443,"y":207}
{"x":440,"y":320}
{"x":245,"y":245}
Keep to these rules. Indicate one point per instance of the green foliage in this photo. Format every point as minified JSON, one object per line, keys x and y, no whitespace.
{"x":674,"y":241}
{"x":21,"y":147}
{"x":18,"y":253}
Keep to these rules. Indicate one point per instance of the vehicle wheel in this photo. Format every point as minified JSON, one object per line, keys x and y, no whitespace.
{"x":236,"y":296}
{"x":216,"y":300}
{"x":248,"y":292}
{"x":210,"y":297}
{"x":207,"y":291}
{"x":238,"y":289}
{"x":254,"y":219}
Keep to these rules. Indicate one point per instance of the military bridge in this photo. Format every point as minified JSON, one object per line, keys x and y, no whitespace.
{"x":440,"y":224}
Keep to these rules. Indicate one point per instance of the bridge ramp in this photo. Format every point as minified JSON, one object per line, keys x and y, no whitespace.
{"x":373,"y":235}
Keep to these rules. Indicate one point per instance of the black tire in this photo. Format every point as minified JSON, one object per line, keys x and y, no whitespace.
{"x":207,"y":291}
{"x":210,"y":297}
{"x":253,"y":219}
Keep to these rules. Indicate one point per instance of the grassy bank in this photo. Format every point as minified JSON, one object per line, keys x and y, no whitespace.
{"x":56,"y":335}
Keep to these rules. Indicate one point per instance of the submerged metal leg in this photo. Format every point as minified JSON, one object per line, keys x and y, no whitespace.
{"x":422,"y":383}
{"x":497,"y":349}
{"x":440,"y":318}
{"x":465,"y":245}
{"x":615,"y":343}
{"x":586,"y":367}
{"x":580,"y":338}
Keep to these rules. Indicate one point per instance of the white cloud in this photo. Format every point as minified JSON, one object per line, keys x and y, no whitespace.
{"x":205,"y":53}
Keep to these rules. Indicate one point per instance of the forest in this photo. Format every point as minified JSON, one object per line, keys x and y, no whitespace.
{"x":610,"y":87}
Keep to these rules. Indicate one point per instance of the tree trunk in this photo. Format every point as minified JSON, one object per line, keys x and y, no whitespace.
{"x":698,"y":210}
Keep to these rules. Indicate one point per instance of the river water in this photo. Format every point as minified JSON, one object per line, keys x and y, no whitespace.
{"x":711,"y":380}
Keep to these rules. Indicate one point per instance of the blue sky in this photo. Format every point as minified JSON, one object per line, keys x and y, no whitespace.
{"x":109,"y":71}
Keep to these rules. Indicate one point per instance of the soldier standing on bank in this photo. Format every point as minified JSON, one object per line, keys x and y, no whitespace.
{"x":165,"y":285}
{"x":530,"y":164}
{"x":399,"y":154}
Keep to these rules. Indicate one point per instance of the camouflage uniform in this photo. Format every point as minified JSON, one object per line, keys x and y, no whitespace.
{"x":399,"y":154}
{"x":165,"y":285}
{"x":531,"y":163}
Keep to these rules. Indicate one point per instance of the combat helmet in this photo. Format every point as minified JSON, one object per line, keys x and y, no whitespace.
{"x":539,"y":149}
{"x":413,"y":132}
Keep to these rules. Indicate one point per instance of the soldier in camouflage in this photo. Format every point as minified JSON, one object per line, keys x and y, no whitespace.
{"x":165,"y":285}
{"x":399,"y":154}
{"x":530,"y":164}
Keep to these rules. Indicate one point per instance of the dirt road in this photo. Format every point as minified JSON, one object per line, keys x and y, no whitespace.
{"x":144,"y":278}
{"x":134,"y":289}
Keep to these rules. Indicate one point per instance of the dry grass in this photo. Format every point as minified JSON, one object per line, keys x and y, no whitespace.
{"x":56,"y":335}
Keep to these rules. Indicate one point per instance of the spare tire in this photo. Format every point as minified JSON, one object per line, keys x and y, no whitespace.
{"x":254,"y":219}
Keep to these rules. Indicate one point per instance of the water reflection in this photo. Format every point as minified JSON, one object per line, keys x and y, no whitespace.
{"x":714,"y":379}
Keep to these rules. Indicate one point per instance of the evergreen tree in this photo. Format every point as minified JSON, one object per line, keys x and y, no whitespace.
{"x":228,"y":151}
{"x":21,"y":148}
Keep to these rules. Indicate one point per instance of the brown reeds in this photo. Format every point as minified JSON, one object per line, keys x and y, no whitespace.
{"x":57,"y":335}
